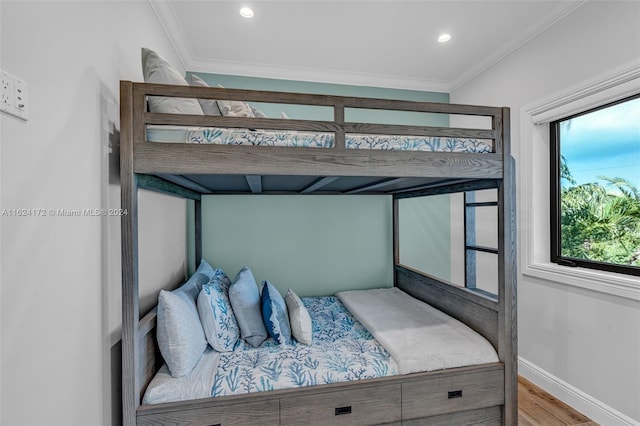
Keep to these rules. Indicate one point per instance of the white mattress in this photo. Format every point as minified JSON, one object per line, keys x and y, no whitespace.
{"x":418,"y":336}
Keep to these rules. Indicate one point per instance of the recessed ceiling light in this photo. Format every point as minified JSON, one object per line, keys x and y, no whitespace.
{"x":444,"y":38}
{"x":246,"y":12}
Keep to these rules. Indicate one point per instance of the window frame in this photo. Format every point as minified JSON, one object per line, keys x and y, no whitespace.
{"x":556,"y":202}
{"x":532,"y":157}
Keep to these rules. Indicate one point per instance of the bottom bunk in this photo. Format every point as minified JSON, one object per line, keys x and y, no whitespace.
{"x":372,"y":357}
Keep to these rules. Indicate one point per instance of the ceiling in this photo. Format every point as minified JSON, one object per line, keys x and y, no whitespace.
{"x":389,"y":43}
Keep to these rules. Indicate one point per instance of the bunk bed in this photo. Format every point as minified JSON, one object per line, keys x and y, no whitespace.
{"x":478,"y":394}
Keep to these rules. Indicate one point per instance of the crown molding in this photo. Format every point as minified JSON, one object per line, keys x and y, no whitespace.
{"x":558,"y":13}
{"x":315,"y":75}
{"x":167,"y":17}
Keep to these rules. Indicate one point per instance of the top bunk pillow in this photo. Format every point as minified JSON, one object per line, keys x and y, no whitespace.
{"x":245,"y":301}
{"x":158,"y":70}
{"x":274,"y":314}
{"x":226,"y":108}
{"x":209,"y":106}
{"x":179,"y":332}
{"x":235,"y":108}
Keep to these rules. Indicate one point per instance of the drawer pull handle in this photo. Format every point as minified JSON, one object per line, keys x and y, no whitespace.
{"x":455,"y":394}
{"x":343,"y":410}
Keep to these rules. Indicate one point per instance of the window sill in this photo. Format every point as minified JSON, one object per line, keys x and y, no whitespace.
{"x":604,"y":282}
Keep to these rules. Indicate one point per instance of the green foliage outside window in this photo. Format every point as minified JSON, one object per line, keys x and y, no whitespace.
{"x":595,"y":218}
{"x":601,"y":224}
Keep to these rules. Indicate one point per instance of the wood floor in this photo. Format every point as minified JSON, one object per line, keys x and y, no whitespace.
{"x":536,"y":407}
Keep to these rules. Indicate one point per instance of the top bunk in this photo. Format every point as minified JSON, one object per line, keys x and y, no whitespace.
{"x":348,"y":150}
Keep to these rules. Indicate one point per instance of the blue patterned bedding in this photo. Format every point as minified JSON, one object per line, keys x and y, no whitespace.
{"x":326,"y":140}
{"x":342,"y":350}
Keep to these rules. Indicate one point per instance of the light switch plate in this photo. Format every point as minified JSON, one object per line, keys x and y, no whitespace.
{"x":14,"y":94}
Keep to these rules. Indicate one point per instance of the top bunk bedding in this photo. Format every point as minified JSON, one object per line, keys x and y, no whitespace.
{"x":296,"y":139}
{"x":211,"y":130}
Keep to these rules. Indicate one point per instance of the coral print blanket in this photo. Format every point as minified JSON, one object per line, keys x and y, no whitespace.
{"x":342,"y":350}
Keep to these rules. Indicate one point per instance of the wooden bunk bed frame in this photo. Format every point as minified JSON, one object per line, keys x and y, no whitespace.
{"x":484,"y":394}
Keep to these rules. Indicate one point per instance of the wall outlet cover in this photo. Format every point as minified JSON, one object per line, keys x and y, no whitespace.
{"x":14,"y":96}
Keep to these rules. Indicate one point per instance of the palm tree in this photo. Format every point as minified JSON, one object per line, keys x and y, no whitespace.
{"x":601,"y":225}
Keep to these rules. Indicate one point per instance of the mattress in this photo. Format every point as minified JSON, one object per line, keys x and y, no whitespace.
{"x":220,"y":136}
{"x":418,"y":336}
{"x":342,"y":350}
{"x":359,"y":334}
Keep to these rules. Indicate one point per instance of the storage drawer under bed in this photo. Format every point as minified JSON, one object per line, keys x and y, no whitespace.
{"x":265,"y":412}
{"x":442,"y":394}
{"x":363,"y":406}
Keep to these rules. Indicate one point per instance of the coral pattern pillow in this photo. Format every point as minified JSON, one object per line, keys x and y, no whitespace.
{"x":216,"y":314}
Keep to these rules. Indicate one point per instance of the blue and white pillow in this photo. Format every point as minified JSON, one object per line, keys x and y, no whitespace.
{"x":216,"y":314}
{"x":245,"y":300}
{"x":274,"y":314}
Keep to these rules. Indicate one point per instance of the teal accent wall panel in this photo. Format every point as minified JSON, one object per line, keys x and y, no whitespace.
{"x":425,"y":234}
{"x":318,"y":245}
{"x":314,"y":244}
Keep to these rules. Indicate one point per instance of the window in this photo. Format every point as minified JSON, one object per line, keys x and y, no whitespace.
{"x":595,"y":188}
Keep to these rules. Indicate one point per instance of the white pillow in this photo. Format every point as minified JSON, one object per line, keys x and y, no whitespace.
{"x":299,"y":318}
{"x":209,"y":106}
{"x":235,"y":108}
{"x":156,"y":69}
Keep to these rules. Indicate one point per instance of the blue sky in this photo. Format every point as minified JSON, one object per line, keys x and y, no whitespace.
{"x":604,"y":143}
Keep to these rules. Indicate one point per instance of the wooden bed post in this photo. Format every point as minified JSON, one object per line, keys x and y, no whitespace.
{"x":129,"y":244}
{"x":507,"y":275}
{"x":197,"y":213}
{"x":395,"y":213}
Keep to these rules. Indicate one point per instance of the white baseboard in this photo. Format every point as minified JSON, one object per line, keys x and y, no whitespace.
{"x":586,"y":404}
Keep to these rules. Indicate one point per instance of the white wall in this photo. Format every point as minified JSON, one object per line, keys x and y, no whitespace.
{"x":60,"y":276}
{"x":578,"y":341}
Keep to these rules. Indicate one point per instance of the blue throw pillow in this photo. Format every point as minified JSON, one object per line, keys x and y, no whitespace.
{"x":199,"y":278}
{"x":216,"y":314}
{"x":274,"y":314}
{"x":245,"y":301}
